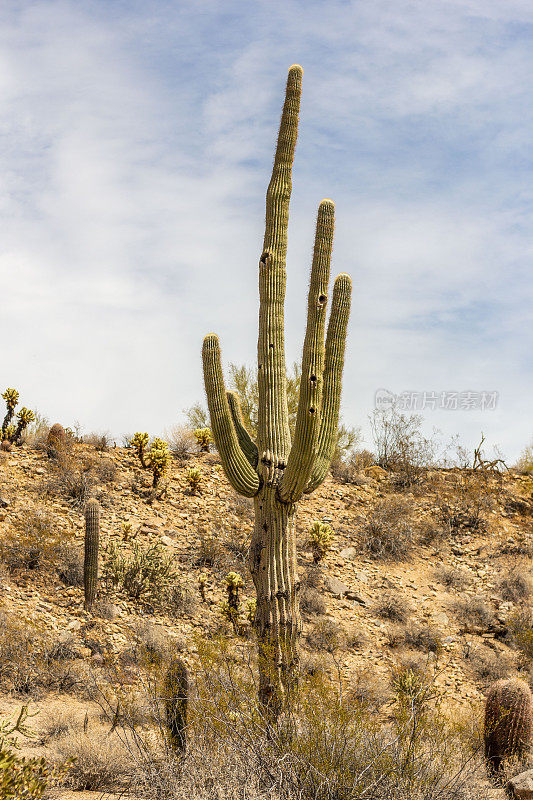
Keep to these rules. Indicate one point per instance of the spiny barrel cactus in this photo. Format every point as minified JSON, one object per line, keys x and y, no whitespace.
{"x":56,"y":440}
{"x":139,"y":442}
{"x":176,"y":689}
{"x":274,"y":470}
{"x":90,"y":563}
{"x":508,"y":722}
{"x":11,"y":396}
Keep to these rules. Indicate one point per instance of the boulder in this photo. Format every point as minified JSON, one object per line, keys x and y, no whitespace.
{"x":522,"y":785}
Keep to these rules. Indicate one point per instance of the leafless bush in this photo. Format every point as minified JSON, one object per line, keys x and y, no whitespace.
{"x":424,"y":637}
{"x":400,"y":445}
{"x":326,"y":635}
{"x":181,"y":442}
{"x":99,"y":440}
{"x":486,"y":665}
{"x":70,"y":565}
{"x":35,"y":541}
{"x":521,"y":624}
{"x":312,"y":603}
{"x":72,"y":476}
{"x":475,"y":611}
{"x":388,"y":533}
{"x":453,"y":577}
{"x":516,"y":585}
{"x":99,"y":761}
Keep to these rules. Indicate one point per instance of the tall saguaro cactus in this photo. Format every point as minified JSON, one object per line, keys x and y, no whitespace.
{"x":92,"y":541}
{"x":275,"y":471}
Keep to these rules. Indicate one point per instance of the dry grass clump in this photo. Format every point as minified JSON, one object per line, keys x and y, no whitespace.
{"x":453,"y":577}
{"x":100,"y":761}
{"x":392,"y":606}
{"x":521,"y":625}
{"x":389,"y":533}
{"x":35,"y":541}
{"x":312,"y":603}
{"x":424,"y":637}
{"x":33,"y":663}
{"x":326,"y":635}
{"x":517,"y":585}
{"x":475,"y":611}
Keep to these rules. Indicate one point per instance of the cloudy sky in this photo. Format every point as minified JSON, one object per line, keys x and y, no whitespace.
{"x":136,"y":140}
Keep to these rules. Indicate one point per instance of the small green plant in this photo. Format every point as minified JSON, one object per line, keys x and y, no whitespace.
{"x":320,"y":536}
{"x":139,"y":442}
{"x":194,"y":479}
{"x":203,"y":439}
{"x":158,"y":460}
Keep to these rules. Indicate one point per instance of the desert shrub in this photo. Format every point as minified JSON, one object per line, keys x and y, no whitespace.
{"x":105,"y":470}
{"x":525,"y":462}
{"x":34,"y":542}
{"x":486,"y":665}
{"x":400,"y":445}
{"x":242,"y":507}
{"x":475,"y":611}
{"x":312,"y":603}
{"x":392,"y":606}
{"x":388,"y":533}
{"x":181,"y":442}
{"x":98,"y":761}
{"x":521,"y":625}
{"x":144,"y":572}
{"x":453,"y":577}
{"x":210,"y":550}
{"x":466,"y":502}
{"x":70,"y":565}
{"x":72,"y":476}
{"x":326,"y":635}
{"x":33,"y":662}
{"x":424,"y":637}
{"x":319,"y":539}
{"x":516,"y":585}
{"x":100,"y":441}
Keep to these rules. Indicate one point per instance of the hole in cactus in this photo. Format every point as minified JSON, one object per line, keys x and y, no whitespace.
{"x":322,"y":299}
{"x":312,"y":410}
{"x":313,"y":378}
{"x":265,"y":258}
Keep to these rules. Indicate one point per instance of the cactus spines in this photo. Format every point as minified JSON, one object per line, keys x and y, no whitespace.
{"x":176,"y":689}
{"x":139,"y":442}
{"x":90,"y":562}
{"x":508,"y":722}
{"x":274,"y":470}
{"x":56,"y":440}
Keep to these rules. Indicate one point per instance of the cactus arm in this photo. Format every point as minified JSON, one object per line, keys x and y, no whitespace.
{"x":331,"y":393}
{"x":239,"y":472}
{"x":304,"y":448}
{"x":273,"y":437}
{"x":248,"y":447}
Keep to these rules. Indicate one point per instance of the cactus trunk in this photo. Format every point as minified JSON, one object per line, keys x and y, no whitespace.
{"x":277,"y":618}
{"x":90,"y":563}
{"x":276,"y":471}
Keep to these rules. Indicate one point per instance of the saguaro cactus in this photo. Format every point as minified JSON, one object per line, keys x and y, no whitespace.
{"x":90,"y":563}
{"x":508,"y":722}
{"x":176,"y":688}
{"x":274,"y":470}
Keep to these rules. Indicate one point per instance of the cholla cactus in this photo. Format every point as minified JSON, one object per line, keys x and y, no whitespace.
{"x":202,"y":580}
{"x":231,"y":608}
{"x":320,"y":537}
{"x":127,"y":528}
{"x":194,"y":479}
{"x":251,"y":608}
{"x":508,"y":722}
{"x":203,"y":438}
{"x":11,"y":396}
{"x":176,"y":688}
{"x":56,"y":440}
{"x":139,"y":442}
{"x":24,"y":416}
{"x":276,"y":471}
{"x":159,"y":459}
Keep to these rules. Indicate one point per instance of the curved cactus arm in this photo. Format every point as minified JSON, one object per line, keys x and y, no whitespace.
{"x":273,"y":417}
{"x":248,"y":446}
{"x":304,"y":448}
{"x":239,"y":472}
{"x":331,"y":394}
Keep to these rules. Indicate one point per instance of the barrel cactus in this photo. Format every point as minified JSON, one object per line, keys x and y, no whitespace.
{"x":90,"y":563}
{"x":56,"y":440}
{"x":274,"y":470}
{"x":176,"y":697}
{"x":508,"y":722}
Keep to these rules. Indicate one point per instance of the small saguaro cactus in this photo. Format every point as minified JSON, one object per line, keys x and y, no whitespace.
{"x":274,"y":470}
{"x":90,"y":562}
{"x":56,"y":440}
{"x":139,"y":442}
{"x":176,"y":689}
{"x":11,"y":396}
{"x":508,"y":722}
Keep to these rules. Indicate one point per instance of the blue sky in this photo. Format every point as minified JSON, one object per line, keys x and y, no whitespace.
{"x":136,"y":140}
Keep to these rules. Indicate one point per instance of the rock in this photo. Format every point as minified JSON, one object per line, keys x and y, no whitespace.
{"x":97,"y":658}
{"x":339,"y":589}
{"x":522,"y":785}
{"x":166,"y":540}
{"x":4,"y":503}
{"x":348,"y":553}
{"x":74,"y":625}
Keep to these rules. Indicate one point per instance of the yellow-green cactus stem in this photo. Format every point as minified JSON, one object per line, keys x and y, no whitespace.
{"x":139,"y":442}
{"x":24,"y":416}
